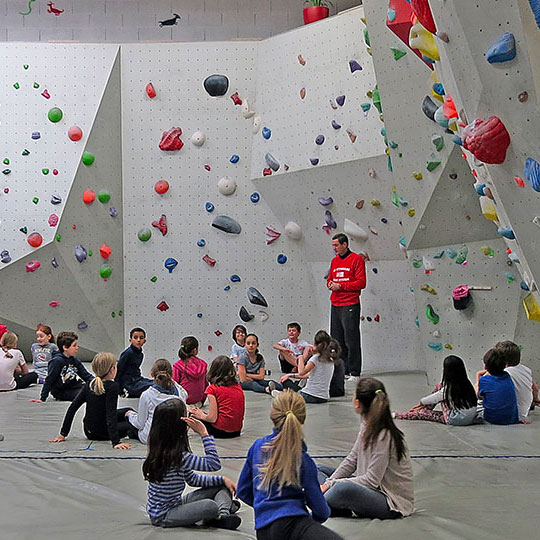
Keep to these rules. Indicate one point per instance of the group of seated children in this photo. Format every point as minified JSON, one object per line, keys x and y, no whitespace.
{"x":504,"y":392}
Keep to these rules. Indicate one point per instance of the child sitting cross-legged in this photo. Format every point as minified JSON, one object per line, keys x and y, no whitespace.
{"x":290,"y":348}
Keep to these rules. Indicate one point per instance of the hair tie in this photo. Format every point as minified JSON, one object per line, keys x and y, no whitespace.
{"x":182,"y":347}
{"x":288,"y":413}
{"x":377,"y":391}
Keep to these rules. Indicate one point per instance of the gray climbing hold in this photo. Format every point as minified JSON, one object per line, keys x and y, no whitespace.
{"x":271,"y":161}
{"x":255,"y":297}
{"x":5,"y":257}
{"x":429,"y":108}
{"x":325,"y":201}
{"x":56,"y":199}
{"x":503,"y":50}
{"x":216,"y":85}
{"x":227,"y":224}
{"x":329,"y":219}
{"x":245,"y":315}
{"x":80,"y":253}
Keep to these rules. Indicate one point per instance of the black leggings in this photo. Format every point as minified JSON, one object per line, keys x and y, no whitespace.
{"x":68,"y":394}
{"x":219,"y":433}
{"x":25,"y":380}
{"x":125,"y":429}
{"x":296,"y":528}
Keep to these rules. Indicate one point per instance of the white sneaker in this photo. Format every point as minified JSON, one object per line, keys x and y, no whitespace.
{"x":275,"y":393}
{"x":354,"y":379}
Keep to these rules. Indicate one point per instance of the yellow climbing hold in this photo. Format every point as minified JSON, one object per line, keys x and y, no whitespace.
{"x":488,"y":209}
{"x":448,"y":346}
{"x":411,"y":212}
{"x":375,"y":202}
{"x":423,"y":40}
{"x":418,"y":175}
{"x":532,"y":306}
{"x":428,"y":289}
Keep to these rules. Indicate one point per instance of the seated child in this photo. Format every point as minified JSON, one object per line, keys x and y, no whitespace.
{"x":496,"y":390}
{"x":251,"y":368}
{"x":65,"y":372}
{"x":226,"y":401}
{"x":239,"y":336}
{"x":102,"y":421}
{"x":42,"y":351}
{"x":130,"y":381}
{"x":521,"y":377}
{"x":164,"y":388}
{"x":455,"y":393}
{"x":190,"y":371}
{"x":290,"y":348}
{"x":14,"y":372}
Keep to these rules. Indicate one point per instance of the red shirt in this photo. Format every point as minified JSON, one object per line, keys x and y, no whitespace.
{"x":231,"y":406}
{"x":350,"y":273}
{"x":191,"y":375}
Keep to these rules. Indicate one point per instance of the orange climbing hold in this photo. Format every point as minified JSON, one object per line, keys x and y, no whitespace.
{"x":88,"y":196}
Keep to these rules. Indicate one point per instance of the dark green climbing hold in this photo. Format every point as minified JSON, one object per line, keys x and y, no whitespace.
{"x":104,"y":196}
{"x":16,"y":86}
{"x":6,"y":161}
{"x":432,"y":163}
{"x":105,"y":271}
{"x":35,"y":200}
{"x":120,"y":313}
{"x":26,"y":66}
{"x":45,"y":171}
{"x":90,"y":253}
{"x":6,"y":171}
{"x":36,"y":85}
{"x":366,"y":37}
{"x":400,"y":154}
{"x":24,"y":230}
{"x":113,"y":314}
{"x":153,"y":279}
{"x":26,"y":152}
{"x":438,"y":141}
{"x":398,"y":53}
{"x":58,"y":238}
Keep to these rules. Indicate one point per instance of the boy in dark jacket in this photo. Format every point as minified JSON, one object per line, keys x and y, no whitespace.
{"x":130,"y":381}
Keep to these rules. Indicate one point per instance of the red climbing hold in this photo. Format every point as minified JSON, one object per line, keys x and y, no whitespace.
{"x":105,"y":251}
{"x":161,"y":224}
{"x":35,"y":239}
{"x":207,"y":167}
{"x":487,"y":140}
{"x":209,"y":261}
{"x":150,"y":91}
{"x":161,"y":187}
{"x":449,"y":108}
{"x":163,"y":306}
{"x":423,"y":13}
{"x":519,"y":181}
{"x":88,"y":196}
{"x":377,"y":318}
{"x":236,"y":99}
{"x":75,"y":133}
{"x":267,"y":171}
{"x":218,"y":333}
{"x":170,"y":140}
{"x":54,"y":303}
{"x":32,"y":266}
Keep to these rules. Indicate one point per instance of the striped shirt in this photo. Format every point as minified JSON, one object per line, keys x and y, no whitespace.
{"x":167,"y":494}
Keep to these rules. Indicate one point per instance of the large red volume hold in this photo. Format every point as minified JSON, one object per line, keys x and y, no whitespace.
{"x":423,"y":13}
{"x":170,"y":140}
{"x":487,"y":140}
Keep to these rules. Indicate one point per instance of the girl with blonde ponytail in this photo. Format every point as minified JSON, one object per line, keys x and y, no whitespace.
{"x":375,"y":480}
{"x":102,"y":421}
{"x":14,"y":373}
{"x":279,"y":478}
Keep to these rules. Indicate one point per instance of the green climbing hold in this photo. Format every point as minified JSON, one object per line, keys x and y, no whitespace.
{"x":36,"y":85}
{"x":487,"y":251}
{"x":432,"y":163}
{"x":366,"y":37}
{"x":395,"y":198}
{"x":24,"y":230}
{"x":400,"y":154}
{"x":26,"y":152}
{"x":88,"y":158}
{"x":438,"y":141}
{"x":390,"y":166}
{"x":120,"y":313}
{"x":462,"y":253}
{"x":153,"y":279}
{"x":45,"y":171}
{"x":104,"y":196}
{"x":6,"y":161}
{"x":144,"y":234}
{"x":376,"y":97}
{"x":105,"y":271}
{"x":35,"y":200}
{"x":431,"y":315}
{"x":6,"y":171}
{"x":451,"y":253}
{"x":90,"y":253}
{"x":417,"y":262}
{"x":16,"y":86}
{"x":26,"y":66}
{"x":365,"y":107}
{"x":55,"y":114}
{"x":435,"y":346}
{"x":398,"y":53}
{"x":393,"y":144}
{"x":58,"y":237}
{"x":113,"y":314}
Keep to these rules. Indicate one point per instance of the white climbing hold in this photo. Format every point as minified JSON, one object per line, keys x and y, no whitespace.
{"x":263,"y":316}
{"x":352,"y":229}
{"x":227,"y":186}
{"x":247,"y":112}
{"x":293,"y":230}
{"x":198,"y":138}
{"x":257,"y":121}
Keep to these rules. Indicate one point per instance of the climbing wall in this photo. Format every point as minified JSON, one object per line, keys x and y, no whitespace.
{"x":61,"y":292}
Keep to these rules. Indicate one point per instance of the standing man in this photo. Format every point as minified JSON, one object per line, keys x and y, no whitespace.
{"x":346,"y":279}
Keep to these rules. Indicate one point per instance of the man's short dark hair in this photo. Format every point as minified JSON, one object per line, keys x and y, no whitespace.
{"x":341,"y":238}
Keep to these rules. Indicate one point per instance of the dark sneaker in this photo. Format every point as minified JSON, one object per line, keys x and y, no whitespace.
{"x":229,"y":522}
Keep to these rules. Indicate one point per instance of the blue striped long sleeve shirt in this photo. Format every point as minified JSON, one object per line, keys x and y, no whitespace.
{"x":165,"y":495}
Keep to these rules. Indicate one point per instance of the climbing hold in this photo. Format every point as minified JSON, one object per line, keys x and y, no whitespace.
{"x":301,"y":60}
{"x":365,"y":108}
{"x":55,"y":115}
{"x":432,"y":163}
{"x":35,"y":239}
{"x":523,"y":96}
{"x":254,"y":197}
{"x":6,"y":171}
{"x":201,"y":242}
{"x":351,"y":135}
{"x":340,"y":100}
{"x":267,"y":171}
{"x":440,"y":118}
{"x":105,"y":251}
{"x":236,"y":99}
{"x":293,"y":230}
{"x":255,"y":297}
{"x":207,"y":167}
{"x":256,"y":124}
{"x":487,"y":140}
{"x":198,"y":138}
{"x":88,"y":196}
{"x":170,"y":264}
{"x":53,"y":220}
{"x":329,"y":220}
{"x":245,"y":315}
{"x":271,"y":161}
{"x":75,"y":133}
{"x":354,"y":66}
{"x":32,"y":266}
{"x":325,"y":201}
{"x":423,"y":13}
{"x":429,"y":107}
{"x":113,"y":212}
{"x":55,"y":172}
{"x":171,"y":141}
{"x":235,"y":278}
{"x":105,"y":271}
{"x":393,"y":144}
{"x":281,"y":258}
{"x":488,"y":208}
{"x":44,"y":171}
{"x":150,"y":90}
{"x":235,"y":158}
{"x":503,"y":50}
{"x":88,"y":158}
{"x":314,"y":161}
{"x":510,"y":278}
{"x":391,"y":14}
{"x":428,"y":289}
{"x":524,"y":286}
{"x":398,"y":53}
{"x":161,"y":187}
{"x":360,"y":204}
{"x":435,"y":346}
{"x":161,"y":224}
{"x":507,"y":232}
{"x":438,"y":89}
{"x":418,"y":175}
{"x":163,"y":306}
{"x":411,"y":212}
{"x":519,"y":181}
{"x":431,"y":314}
{"x":375,"y":202}
{"x":333,"y":105}
{"x":438,"y":141}
{"x":46,"y":94}
{"x":271,"y":235}
{"x":26,"y":152}
{"x":226,"y":186}
{"x":104,"y":196}
{"x":375,"y":270}
{"x":319,"y":139}
{"x":36,"y":135}
{"x":24,"y":230}
{"x":144,"y":234}
{"x":487,"y":251}
{"x":355,"y":231}
{"x":532,"y":173}
{"x":439,"y":254}
{"x":422,"y":40}
{"x":513,"y":257}
{"x":335,"y":125}
{"x":216,"y":85}
{"x":80,"y":253}
{"x":209,"y":207}
{"x":266,"y":133}
{"x":302,"y":93}
{"x":5,"y":257}
{"x":209,"y":261}
{"x":227,"y":224}
{"x":395,"y":198}
{"x":246,"y":110}
{"x":462,"y":253}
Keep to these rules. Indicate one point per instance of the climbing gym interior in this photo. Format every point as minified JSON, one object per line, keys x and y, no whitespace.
{"x":183,"y":165}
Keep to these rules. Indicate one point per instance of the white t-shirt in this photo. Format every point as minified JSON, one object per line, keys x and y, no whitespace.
{"x":318,"y":383}
{"x":7,"y":368}
{"x":237,"y":350}
{"x":296,"y":348}
{"x":522,"y":379}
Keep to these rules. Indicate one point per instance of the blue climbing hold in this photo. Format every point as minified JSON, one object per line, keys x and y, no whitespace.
{"x":503,"y":50}
{"x":375,"y":271}
{"x":319,"y":139}
{"x":325,"y":201}
{"x":329,"y":219}
{"x":255,"y":197}
{"x":354,"y":66}
{"x":456,"y":139}
{"x":80,"y":253}
{"x":524,"y":286}
{"x":532,"y":173}
{"x":391,"y":14}
{"x":235,"y":158}
{"x":235,"y":278}
{"x":435,"y":346}
{"x":266,"y":133}
{"x":227,"y":288}
{"x":255,"y":297}
{"x":340,"y":100}
{"x":438,"y":88}
{"x":113,"y":212}
{"x":5,"y":257}
{"x":199,"y":315}
{"x":314,"y":161}
{"x":535,"y":6}
{"x":201,"y":242}
{"x":480,"y":189}
{"x":56,"y":199}
{"x":170,"y":264}
{"x":281,"y":259}
{"x":507,"y":232}
{"x":335,"y":125}
{"x":209,"y":207}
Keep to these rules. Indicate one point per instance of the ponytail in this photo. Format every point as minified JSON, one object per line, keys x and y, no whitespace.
{"x":8,"y":341}
{"x":162,"y":373}
{"x":327,"y":347}
{"x":96,"y":385}
{"x":284,"y":451}
{"x":188,"y":346}
{"x":102,"y":364}
{"x":374,"y":399}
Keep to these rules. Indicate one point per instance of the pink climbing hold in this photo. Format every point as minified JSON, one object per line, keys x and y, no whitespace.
{"x":161,"y":224}
{"x":423,"y":13}
{"x":150,"y":91}
{"x":35,"y":239}
{"x":54,"y":303}
{"x":487,"y":140}
{"x":209,"y":261}
{"x":32,"y":266}
{"x":55,"y":172}
{"x":271,"y":234}
{"x":105,"y":251}
{"x":75,"y":133}
{"x":46,"y":94}
{"x":170,"y":140}
{"x":267,"y":171}
{"x":53,"y":220}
